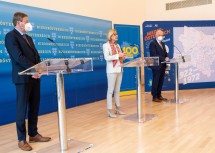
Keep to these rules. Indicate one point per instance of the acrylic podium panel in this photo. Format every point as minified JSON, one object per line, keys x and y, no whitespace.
{"x":59,"y":67}
{"x":179,"y":59}
{"x":53,"y":66}
{"x":146,"y":61}
{"x":142,"y":61}
{"x":175,"y":61}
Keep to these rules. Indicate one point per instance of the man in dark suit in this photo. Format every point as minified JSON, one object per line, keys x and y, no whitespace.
{"x":24,"y":55}
{"x":157,"y":48}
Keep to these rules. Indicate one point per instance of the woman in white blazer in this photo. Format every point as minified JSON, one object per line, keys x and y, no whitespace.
{"x":114,"y":57}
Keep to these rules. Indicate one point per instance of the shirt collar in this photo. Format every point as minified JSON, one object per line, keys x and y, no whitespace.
{"x":158,"y":41}
{"x":19,"y":31}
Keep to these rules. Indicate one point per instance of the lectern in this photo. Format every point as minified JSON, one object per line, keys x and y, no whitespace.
{"x":176,"y":62}
{"x":146,"y":61}
{"x":59,"y":67}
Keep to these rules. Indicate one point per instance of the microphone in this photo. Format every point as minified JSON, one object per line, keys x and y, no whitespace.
{"x":57,"y":46}
{"x":66,"y":61}
{"x":183,"y":59}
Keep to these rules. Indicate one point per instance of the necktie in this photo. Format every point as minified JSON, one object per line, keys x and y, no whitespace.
{"x":24,"y":36}
{"x":160,"y":45}
{"x":34,"y":52}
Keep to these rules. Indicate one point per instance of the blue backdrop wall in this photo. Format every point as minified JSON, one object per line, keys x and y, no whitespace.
{"x":77,"y":36}
{"x":194,"y":39}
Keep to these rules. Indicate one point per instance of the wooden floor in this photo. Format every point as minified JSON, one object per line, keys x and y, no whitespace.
{"x":178,"y":128}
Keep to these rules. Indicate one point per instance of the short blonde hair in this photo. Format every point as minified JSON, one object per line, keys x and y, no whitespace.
{"x":110,"y":33}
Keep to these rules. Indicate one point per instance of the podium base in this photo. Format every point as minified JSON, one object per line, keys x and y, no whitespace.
{"x":178,"y":101}
{"x":74,"y":146}
{"x":145,"y":118}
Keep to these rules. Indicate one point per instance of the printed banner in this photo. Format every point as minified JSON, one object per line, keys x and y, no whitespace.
{"x":129,"y":41}
{"x":77,"y":36}
{"x":194,"y":40}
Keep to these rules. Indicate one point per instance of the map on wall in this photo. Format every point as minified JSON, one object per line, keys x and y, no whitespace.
{"x":196,"y":42}
{"x":199,"y":44}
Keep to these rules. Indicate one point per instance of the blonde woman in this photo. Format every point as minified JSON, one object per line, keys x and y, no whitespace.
{"x":114,"y":57}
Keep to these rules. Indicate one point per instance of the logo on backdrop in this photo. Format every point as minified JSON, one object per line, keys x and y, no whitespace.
{"x":132,"y":50}
{"x":151,"y":34}
{"x":88,"y":51}
{"x":71,"y":29}
{"x":72,"y":44}
{"x":54,"y":35}
{"x":149,"y":82}
{"x":87,"y":38}
{"x":54,"y":51}
{"x":5,"y":31}
{"x":100,"y":33}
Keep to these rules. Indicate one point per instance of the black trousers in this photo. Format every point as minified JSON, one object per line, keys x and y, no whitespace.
{"x":28,"y":101}
{"x":157,"y":81}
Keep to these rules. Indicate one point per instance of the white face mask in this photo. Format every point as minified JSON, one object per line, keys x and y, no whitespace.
{"x":160,"y":38}
{"x":28,"y":27}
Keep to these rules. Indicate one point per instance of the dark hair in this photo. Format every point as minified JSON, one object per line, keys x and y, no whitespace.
{"x":18,"y":16}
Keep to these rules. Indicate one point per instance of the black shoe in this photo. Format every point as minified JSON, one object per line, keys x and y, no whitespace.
{"x":157,"y":100}
{"x":162,"y":98}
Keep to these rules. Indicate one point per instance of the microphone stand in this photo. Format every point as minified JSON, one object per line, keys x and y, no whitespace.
{"x":183,"y":59}
{"x":65,"y":61}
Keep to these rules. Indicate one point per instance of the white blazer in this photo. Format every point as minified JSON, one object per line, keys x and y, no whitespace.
{"x":109,"y":58}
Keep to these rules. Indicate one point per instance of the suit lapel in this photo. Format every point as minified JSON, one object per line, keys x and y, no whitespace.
{"x":30,"y":42}
{"x":159,"y":45}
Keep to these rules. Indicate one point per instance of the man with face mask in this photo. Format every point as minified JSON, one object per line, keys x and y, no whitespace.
{"x":24,"y":55}
{"x":157,"y":48}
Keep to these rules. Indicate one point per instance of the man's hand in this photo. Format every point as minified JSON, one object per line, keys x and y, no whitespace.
{"x":167,"y":59}
{"x":36,"y":76}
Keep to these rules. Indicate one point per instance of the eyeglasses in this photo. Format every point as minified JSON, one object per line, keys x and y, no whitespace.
{"x":115,"y":34}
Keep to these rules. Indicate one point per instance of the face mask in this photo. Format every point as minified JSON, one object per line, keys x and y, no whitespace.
{"x":160,"y":38}
{"x":28,"y":27}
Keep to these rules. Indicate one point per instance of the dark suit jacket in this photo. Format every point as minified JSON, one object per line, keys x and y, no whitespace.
{"x":23,"y":55}
{"x":158,"y":51}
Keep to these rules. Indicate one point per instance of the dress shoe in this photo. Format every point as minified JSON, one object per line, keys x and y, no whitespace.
{"x":157,"y":100}
{"x":39,"y":138}
{"x":117,"y":111}
{"x":162,"y":98}
{"x":24,"y":146}
{"x":111,"y":115}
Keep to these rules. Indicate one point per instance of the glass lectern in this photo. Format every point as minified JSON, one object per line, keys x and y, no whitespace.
{"x":59,"y":67}
{"x":146,"y":61}
{"x":176,"y":61}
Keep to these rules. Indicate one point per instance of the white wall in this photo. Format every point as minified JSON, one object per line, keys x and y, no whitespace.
{"x":124,"y":11}
{"x":118,"y":11}
{"x":155,"y":10}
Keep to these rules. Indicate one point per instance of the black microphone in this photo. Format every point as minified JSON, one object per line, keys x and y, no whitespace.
{"x":65,"y":61}
{"x":57,"y":46}
{"x":183,"y":59}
